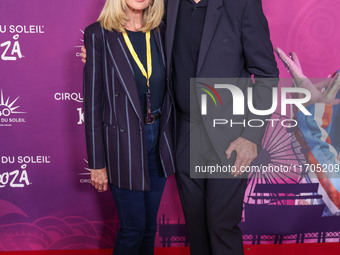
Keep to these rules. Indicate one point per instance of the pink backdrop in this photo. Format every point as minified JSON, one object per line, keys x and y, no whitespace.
{"x":46,"y":201}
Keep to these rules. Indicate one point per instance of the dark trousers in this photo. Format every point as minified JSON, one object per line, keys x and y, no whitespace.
{"x":212,"y":207}
{"x":137,"y":210}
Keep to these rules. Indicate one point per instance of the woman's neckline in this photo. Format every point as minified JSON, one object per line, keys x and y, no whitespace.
{"x":130,"y":31}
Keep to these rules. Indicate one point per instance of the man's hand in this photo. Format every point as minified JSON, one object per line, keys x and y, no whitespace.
{"x":99,"y":179}
{"x":83,"y":54}
{"x":323,"y":92}
{"x":246,"y":152}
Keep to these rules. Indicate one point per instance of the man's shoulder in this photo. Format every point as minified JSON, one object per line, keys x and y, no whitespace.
{"x":236,"y":3}
{"x":237,"y":8}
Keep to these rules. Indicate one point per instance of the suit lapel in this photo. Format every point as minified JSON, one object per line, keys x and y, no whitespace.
{"x":118,"y":53}
{"x":157,"y":35}
{"x":209,"y":28}
{"x":172,"y":10}
{"x":158,"y":39}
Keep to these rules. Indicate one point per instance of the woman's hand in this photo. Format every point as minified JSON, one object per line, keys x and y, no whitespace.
{"x":99,"y":179}
{"x":83,"y":54}
{"x":323,"y":92}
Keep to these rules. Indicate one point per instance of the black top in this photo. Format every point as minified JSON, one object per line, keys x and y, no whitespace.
{"x":157,"y":79}
{"x":189,"y":29}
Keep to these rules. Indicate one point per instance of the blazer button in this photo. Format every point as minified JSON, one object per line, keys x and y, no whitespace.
{"x":116,"y":94}
{"x":122,"y":130}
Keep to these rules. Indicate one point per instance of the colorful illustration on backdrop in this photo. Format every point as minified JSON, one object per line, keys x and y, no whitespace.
{"x":42,"y":152}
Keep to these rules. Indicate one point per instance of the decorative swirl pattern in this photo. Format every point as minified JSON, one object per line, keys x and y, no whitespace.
{"x":314,"y":36}
{"x":51,"y":233}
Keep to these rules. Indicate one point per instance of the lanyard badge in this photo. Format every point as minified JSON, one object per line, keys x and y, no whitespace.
{"x":147,"y":74}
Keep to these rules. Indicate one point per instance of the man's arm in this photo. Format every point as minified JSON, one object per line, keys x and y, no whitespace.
{"x":260,"y":61}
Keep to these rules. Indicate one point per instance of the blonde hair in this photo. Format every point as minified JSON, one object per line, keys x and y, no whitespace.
{"x":113,"y":15}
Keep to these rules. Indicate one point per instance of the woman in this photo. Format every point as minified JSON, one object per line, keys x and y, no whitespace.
{"x":128,"y":116}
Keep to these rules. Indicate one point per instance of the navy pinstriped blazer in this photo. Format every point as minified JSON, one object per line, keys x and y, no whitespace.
{"x":114,"y":124}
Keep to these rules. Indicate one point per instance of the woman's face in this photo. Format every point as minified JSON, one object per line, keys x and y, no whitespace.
{"x":138,"y":5}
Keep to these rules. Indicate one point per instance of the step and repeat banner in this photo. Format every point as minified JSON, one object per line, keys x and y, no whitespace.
{"x":46,"y":199}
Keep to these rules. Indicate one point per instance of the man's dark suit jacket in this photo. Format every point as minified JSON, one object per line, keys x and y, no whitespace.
{"x":114,"y":123}
{"x":235,"y":44}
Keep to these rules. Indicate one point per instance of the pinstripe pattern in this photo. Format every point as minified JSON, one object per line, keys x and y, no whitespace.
{"x":114,"y":93}
{"x":161,"y":44}
{"x":129,"y":138}
{"x":84,"y":93}
{"x":142,"y":151}
{"x":106,"y":78}
{"x":169,"y":115}
{"x":103,"y":107}
{"x":109,"y":65}
{"x":163,"y":166}
{"x":166,"y":139}
{"x":118,"y":158}
{"x":167,"y":144}
{"x":122,"y":80}
{"x":108,"y":152}
{"x":127,"y":59}
{"x":93,"y":82}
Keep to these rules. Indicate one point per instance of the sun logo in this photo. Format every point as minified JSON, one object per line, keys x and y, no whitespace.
{"x":78,"y":54}
{"x":86,"y":175}
{"x":7,"y":108}
{"x":88,"y":170}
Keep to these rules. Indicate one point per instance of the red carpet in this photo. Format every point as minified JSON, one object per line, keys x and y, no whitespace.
{"x":265,"y":249}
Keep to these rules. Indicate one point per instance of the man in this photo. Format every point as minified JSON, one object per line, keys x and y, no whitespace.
{"x":216,"y":39}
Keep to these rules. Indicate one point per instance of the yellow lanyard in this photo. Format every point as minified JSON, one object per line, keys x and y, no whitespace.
{"x":136,"y":58}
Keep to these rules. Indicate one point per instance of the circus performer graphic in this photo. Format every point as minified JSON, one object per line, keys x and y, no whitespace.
{"x":319,"y":132}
